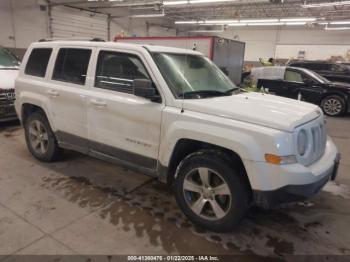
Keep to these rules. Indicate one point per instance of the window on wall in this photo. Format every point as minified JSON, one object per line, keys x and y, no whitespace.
{"x":71,"y":65}
{"x":38,"y":61}
{"x":116,"y":71}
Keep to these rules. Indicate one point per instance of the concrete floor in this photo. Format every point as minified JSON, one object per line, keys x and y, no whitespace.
{"x":85,"y":206}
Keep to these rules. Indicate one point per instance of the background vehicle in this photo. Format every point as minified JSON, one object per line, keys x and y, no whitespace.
{"x":332,"y":71}
{"x":299,"y":83}
{"x":173,"y":114}
{"x":9,"y":66}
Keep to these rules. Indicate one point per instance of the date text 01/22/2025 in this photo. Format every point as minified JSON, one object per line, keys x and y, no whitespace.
{"x":173,"y":258}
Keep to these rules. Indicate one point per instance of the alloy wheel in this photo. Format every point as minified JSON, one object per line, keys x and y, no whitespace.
{"x":207,"y":193}
{"x":332,"y":106}
{"x":38,"y":137}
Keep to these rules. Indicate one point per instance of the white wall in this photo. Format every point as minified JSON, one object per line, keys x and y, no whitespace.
{"x":138,"y":27}
{"x":24,"y":21}
{"x":21,"y":22}
{"x":263,"y":42}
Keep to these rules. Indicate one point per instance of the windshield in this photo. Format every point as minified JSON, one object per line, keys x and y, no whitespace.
{"x":317,"y":77}
{"x":193,"y":76}
{"x":7,"y":59}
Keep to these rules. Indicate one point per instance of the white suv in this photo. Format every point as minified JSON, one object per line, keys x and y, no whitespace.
{"x":172,"y":114}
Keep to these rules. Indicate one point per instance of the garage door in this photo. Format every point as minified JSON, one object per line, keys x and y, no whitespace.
{"x":74,"y":23}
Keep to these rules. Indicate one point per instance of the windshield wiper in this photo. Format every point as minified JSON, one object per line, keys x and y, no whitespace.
{"x":207,"y":93}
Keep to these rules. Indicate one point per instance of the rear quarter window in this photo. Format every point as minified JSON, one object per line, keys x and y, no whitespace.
{"x":38,"y":61}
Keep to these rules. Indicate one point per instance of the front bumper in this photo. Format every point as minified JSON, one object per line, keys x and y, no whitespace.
{"x":7,"y":112}
{"x":294,"y":193}
{"x":274,"y":184}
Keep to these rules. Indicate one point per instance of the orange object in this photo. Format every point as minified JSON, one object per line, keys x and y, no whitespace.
{"x":273,"y":159}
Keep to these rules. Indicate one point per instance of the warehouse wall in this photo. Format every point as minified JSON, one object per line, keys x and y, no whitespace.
{"x":139,"y":27}
{"x":264,"y":42}
{"x":21,"y":22}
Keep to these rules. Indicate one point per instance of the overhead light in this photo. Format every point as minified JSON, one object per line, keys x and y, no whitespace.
{"x":191,"y":22}
{"x":340,"y":23}
{"x":337,"y":28}
{"x":287,"y":21}
{"x":147,"y":15}
{"x":175,"y":2}
{"x":258,"y":20}
{"x":336,"y":3}
{"x":189,"y":2}
{"x":298,"y":19}
{"x":295,"y":23}
{"x":265,"y":24}
{"x":220,"y":22}
{"x":238,"y":24}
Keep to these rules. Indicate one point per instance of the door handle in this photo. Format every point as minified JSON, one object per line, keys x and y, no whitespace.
{"x":53,"y":93}
{"x":98,"y":103}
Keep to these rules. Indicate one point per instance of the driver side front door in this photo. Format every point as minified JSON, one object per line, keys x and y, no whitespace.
{"x":121,"y":126}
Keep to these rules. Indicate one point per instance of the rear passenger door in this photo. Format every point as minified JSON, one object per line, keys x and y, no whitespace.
{"x":66,"y":91}
{"x":121,"y":125}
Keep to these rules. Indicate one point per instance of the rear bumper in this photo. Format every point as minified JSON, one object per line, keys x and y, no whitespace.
{"x":294,"y":193}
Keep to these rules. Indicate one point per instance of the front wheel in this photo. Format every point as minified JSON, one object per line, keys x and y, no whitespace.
{"x":210,"y":192}
{"x":40,"y":139}
{"x":333,"y":105}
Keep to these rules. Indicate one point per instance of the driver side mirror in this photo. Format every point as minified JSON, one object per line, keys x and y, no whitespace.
{"x":144,"y":88}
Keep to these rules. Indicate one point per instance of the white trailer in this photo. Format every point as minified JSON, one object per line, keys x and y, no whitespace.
{"x":225,"y":53}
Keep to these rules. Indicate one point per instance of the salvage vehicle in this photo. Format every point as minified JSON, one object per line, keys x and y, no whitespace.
{"x":306,"y":85}
{"x":9,"y":67}
{"x":332,"y":71}
{"x":173,"y":114}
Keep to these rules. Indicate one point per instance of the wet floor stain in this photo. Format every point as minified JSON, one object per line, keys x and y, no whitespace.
{"x":149,"y":209}
{"x":278,"y":232}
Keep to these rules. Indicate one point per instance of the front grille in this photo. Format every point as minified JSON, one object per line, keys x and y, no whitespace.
{"x":7,"y":96}
{"x":317,"y":139}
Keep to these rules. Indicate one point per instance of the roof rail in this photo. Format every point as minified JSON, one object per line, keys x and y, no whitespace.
{"x":92,"y":39}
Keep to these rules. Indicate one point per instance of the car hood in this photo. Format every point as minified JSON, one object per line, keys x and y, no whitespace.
{"x":262,"y":109}
{"x":7,"y":78}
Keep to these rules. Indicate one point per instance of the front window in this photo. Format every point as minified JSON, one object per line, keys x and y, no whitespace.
{"x":193,"y":76}
{"x":8,"y":60}
{"x":317,"y":77}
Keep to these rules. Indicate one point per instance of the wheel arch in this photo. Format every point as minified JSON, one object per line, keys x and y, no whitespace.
{"x":336,"y":93}
{"x":27,"y":108}
{"x":184,"y":147}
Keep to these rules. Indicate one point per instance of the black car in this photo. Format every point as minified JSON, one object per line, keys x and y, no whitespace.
{"x":306,"y":85}
{"x":332,"y":71}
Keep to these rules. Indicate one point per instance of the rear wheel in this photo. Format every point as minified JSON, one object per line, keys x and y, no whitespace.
{"x":40,"y":139}
{"x":333,"y":105}
{"x":210,"y":192}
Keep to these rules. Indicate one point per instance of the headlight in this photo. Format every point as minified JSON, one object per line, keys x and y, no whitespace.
{"x":302,"y":142}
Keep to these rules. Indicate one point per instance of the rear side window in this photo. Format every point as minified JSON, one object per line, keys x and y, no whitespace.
{"x":71,"y":65}
{"x":116,"y":71}
{"x":38,"y":61}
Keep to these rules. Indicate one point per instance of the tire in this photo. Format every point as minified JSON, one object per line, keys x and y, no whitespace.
{"x":40,"y":139}
{"x":333,"y":105}
{"x":198,"y":205}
